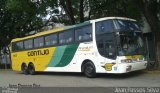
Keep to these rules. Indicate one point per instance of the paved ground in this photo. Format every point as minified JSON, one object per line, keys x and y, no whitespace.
{"x":136,"y":79}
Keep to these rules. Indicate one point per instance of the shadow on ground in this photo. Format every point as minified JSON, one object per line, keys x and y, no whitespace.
{"x":122,"y":76}
{"x":113,"y":76}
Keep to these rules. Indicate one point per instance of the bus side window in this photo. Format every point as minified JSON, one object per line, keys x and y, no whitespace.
{"x":66,"y":37}
{"x":17,"y":46}
{"x":83,"y":33}
{"x":51,"y":39}
{"x":78,"y":36}
{"x":38,"y":42}
{"x":28,"y":44}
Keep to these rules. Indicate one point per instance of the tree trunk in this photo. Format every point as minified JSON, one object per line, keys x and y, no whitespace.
{"x":68,"y":9}
{"x":81,"y":14}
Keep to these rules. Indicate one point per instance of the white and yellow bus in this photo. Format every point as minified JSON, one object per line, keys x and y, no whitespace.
{"x":105,"y":45}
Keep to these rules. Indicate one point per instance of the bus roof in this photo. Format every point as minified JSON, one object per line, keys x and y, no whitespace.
{"x":69,"y":27}
{"x":107,"y":18}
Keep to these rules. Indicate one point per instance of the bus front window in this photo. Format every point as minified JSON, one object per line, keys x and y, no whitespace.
{"x":129,"y":38}
{"x":130,"y":43}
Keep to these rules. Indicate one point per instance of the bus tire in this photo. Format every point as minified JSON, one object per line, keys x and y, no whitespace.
{"x":89,"y":70}
{"x":24,"y":69}
{"x":31,"y":69}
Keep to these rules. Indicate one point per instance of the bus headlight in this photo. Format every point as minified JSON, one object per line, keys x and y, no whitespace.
{"x":128,"y":68}
{"x":126,"y":61}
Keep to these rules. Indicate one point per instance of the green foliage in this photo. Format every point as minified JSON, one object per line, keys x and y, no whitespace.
{"x":102,"y":8}
{"x":124,"y":8}
{"x":18,"y":17}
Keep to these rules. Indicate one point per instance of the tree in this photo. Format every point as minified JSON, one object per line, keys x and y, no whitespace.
{"x":18,"y":17}
{"x":151,"y":10}
{"x":75,"y":10}
{"x":80,"y":10}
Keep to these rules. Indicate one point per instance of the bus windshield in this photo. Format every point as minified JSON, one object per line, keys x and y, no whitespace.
{"x":130,"y":43}
{"x":129,"y":38}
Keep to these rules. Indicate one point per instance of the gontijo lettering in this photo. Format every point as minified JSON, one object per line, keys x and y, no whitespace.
{"x":38,"y":52}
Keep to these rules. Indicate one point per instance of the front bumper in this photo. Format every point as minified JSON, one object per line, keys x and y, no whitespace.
{"x":129,"y":67}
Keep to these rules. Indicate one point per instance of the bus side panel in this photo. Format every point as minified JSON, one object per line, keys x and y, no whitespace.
{"x":72,"y":57}
{"x":15,"y":62}
{"x":42,"y":61}
{"x":63,"y":55}
{"x":38,"y":57}
{"x":18,"y":58}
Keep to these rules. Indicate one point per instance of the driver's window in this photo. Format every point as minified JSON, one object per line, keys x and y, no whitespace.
{"x":110,"y":49}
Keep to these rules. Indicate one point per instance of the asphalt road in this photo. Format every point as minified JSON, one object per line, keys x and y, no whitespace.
{"x":54,"y":79}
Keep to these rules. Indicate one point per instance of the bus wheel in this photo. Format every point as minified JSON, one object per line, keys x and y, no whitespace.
{"x":31,"y":69}
{"x":89,"y":70}
{"x":24,"y":69}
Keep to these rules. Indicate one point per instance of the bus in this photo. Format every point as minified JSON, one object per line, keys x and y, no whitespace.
{"x":105,"y":45}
